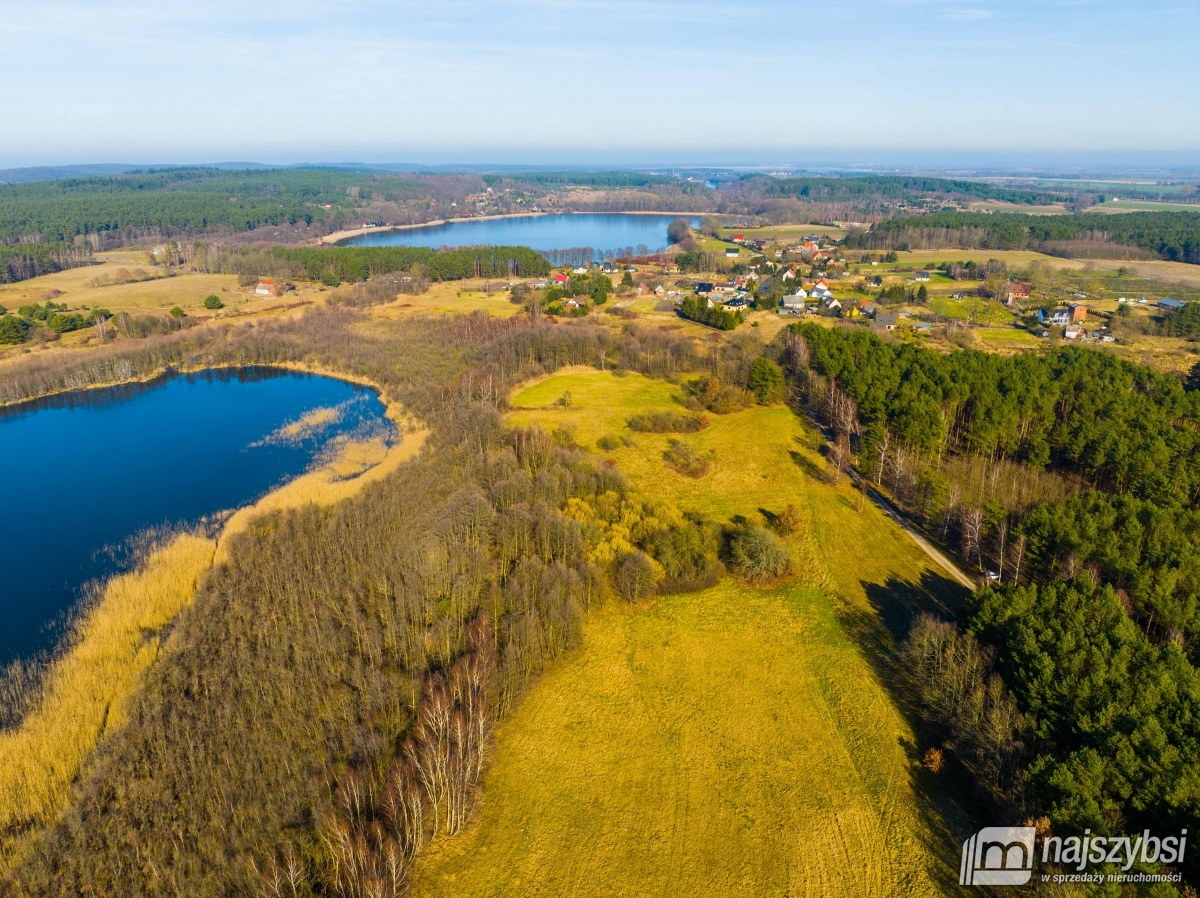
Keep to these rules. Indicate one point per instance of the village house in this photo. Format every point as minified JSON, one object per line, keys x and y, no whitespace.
{"x":1058,"y":317}
{"x":794,"y":304}
{"x":561,"y":278}
{"x":736,"y":305}
{"x":731,"y":252}
{"x":1073,"y":333}
{"x":884,"y":322}
{"x":266,"y":287}
{"x":703,"y":288}
{"x":1169,"y":305}
{"x":820,"y":290}
{"x":1018,"y":292}
{"x":1078,"y":312}
{"x":921,"y":276}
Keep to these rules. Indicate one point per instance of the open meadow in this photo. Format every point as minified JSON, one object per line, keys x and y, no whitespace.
{"x":734,"y":741}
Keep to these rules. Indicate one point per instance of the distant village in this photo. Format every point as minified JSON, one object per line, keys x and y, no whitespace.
{"x":812,"y":277}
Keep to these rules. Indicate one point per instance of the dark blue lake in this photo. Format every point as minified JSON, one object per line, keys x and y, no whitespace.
{"x":85,"y":471}
{"x":604,"y":233}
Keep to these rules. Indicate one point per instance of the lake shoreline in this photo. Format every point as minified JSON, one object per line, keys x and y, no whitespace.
{"x":341,"y":238}
{"x":103,"y":657}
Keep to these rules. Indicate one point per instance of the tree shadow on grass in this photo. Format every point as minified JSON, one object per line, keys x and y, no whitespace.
{"x":808,"y":466}
{"x":949,"y":803}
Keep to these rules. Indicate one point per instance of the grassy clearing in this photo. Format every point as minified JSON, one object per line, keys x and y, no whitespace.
{"x":1015,"y":258}
{"x":159,"y":294}
{"x":735,"y":741}
{"x":997,"y":338}
{"x":458,"y":297}
{"x":1117,"y":206}
{"x":1167,"y":272}
{"x":1020,"y":208}
{"x":786,"y":233}
{"x":86,"y":690}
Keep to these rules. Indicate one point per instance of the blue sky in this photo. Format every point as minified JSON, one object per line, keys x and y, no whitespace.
{"x":633,"y":81}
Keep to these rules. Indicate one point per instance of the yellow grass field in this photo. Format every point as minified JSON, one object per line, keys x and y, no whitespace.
{"x":785,"y":232}
{"x":1114,"y":207}
{"x":736,"y":741}
{"x":462,"y":297}
{"x":1169,"y":272}
{"x":186,"y":290}
{"x":75,"y":289}
{"x":1013,"y":257}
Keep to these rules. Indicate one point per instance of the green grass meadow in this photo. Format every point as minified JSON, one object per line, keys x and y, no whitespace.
{"x":735,"y":741}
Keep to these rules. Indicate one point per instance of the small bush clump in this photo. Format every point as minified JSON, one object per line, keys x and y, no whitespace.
{"x":758,"y":554}
{"x":789,"y":520}
{"x":668,"y":422}
{"x":685,"y":460}
{"x":721,"y":399}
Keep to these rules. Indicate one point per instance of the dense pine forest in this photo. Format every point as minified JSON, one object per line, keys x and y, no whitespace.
{"x":895,"y":187}
{"x":1070,"y":689}
{"x":353,"y":264}
{"x":189,"y":201}
{"x":1165,"y":235}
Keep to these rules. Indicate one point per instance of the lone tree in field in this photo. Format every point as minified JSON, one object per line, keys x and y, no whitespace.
{"x":212,"y":301}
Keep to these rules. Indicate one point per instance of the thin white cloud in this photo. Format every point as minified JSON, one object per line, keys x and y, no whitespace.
{"x":965,"y":13}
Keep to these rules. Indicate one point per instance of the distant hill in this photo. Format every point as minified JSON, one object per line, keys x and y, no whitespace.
{"x":105,"y":169}
{"x":55,"y":172}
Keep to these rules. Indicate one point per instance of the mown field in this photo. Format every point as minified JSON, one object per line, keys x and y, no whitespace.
{"x":735,"y":741}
